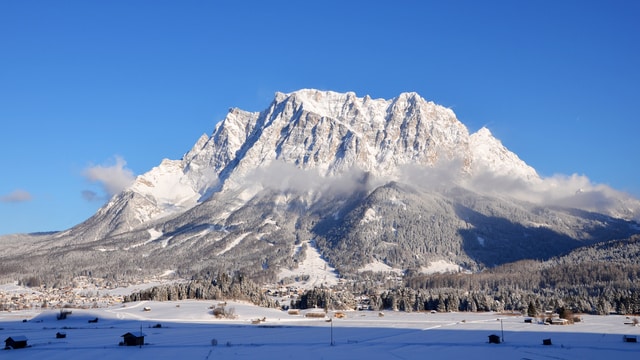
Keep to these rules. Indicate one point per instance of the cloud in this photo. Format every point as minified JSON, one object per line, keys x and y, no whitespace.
{"x":282,"y":176}
{"x":579,"y":192}
{"x":16,"y":196}
{"x":569,"y":191}
{"x":112,"y":178}
{"x":90,"y":195}
{"x":443,"y":174}
{"x":285,"y":177}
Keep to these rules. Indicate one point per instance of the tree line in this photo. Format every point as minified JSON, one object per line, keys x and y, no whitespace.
{"x":221,"y":286}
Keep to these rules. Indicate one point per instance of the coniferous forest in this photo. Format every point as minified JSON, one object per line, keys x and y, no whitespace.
{"x":600,"y":279}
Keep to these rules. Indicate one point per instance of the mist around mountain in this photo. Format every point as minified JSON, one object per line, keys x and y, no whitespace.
{"x":395,"y":184}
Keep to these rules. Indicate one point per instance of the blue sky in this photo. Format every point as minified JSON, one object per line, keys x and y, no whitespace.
{"x":94,"y":92}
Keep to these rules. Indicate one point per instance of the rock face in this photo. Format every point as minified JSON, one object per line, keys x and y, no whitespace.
{"x":397,"y":182}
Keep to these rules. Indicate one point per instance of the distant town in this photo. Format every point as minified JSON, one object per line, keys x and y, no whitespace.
{"x":85,"y":294}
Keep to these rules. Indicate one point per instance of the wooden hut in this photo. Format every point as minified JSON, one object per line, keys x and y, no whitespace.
{"x":63,"y":314}
{"x":16,"y":342}
{"x":629,"y":338}
{"x":559,"y":321}
{"x":133,"y":338}
{"x":494,"y":339}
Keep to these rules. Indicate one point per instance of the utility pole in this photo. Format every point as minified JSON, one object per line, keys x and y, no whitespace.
{"x":331,"y":321}
{"x":502,"y":330}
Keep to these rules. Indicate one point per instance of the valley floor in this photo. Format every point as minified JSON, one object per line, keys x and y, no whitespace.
{"x":187,"y":329}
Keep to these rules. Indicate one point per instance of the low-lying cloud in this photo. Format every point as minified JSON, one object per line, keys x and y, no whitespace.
{"x":112,"y":178}
{"x":571,"y":191}
{"x":574,"y":191}
{"x":286,"y":177}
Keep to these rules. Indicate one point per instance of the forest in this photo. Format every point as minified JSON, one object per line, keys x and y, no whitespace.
{"x":600,"y":279}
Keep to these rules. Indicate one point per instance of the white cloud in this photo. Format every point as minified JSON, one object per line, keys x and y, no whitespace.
{"x":571,"y":191}
{"x":579,"y":192}
{"x":286,"y":177}
{"x":112,"y":178}
{"x":16,"y":196}
{"x":90,"y":195}
{"x":444,"y":173}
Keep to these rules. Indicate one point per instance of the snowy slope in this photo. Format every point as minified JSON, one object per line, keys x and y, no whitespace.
{"x":168,"y":189}
{"x":312,"y":272}
{"x":490,"y":156}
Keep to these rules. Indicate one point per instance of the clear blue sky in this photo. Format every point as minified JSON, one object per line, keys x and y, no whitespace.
{"x":85,"y":84}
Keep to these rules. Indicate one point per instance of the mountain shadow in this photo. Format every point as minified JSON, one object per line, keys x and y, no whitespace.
{"x":493,"y":241}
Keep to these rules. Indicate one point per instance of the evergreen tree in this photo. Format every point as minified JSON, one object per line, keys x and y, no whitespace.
{"x":531,"y":310}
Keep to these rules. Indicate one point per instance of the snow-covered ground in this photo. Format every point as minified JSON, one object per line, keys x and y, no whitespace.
{"x":188,"y":328}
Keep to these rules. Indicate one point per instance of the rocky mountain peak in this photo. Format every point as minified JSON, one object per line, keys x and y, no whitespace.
{"x":329,"y":133}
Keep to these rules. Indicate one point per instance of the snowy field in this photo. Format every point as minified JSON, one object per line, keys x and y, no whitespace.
{"x":187,"y":329}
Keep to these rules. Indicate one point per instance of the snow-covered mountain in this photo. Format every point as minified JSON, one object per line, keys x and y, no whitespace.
{"x":399,"y":183}
{"x":326,"y":133}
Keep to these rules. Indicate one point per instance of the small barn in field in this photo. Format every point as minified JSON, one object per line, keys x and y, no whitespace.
{"x":16,"y":342}
{"x":133,"y":339}
{"x":63,"y":314}
{"x":559,"y":321}
{"x":629,"y":338}
{"x":494,"y":339}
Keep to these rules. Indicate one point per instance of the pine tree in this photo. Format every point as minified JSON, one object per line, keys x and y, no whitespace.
{"x":531,"y":310}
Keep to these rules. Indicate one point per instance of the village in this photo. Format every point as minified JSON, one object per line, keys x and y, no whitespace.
{"x":85,"y":293}
{"x":92,"y":293}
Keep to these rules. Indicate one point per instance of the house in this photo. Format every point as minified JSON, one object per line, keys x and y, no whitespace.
{"x":494,"y":339}
{"x":63,"y":314}
{"x":133,"y":338}
{"x":315,"y":314}
{"x":546,"y":341}
{"x":629,"y":338}
{"x":16,"y":342}
{"x":559,"y":321}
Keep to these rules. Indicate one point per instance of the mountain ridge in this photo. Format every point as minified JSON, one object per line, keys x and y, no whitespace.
{"x":234,"y":135}
{"x":399,"y":182}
